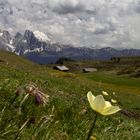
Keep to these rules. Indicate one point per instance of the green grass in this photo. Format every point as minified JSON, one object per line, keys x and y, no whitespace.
{"x":114,"y":79}
{"x":67,"y":116}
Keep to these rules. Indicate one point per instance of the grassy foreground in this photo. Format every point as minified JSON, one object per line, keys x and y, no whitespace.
{"x":67,"y":115}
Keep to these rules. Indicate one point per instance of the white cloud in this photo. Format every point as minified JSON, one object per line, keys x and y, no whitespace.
{"x":55,"y":29}
{"x":83,"y":23}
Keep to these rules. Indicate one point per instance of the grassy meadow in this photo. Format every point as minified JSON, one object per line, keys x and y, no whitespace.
{"x":67,"y":114}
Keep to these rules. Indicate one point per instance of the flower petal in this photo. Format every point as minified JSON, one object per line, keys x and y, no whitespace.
{"x":107,"y":104}
{"x":110,"y":110}
{"x":90,"y":98}
{"x":99,"y":103}
{"x":114,"y":93}
{"x":105,"y":93}
{"x":113,"y":101}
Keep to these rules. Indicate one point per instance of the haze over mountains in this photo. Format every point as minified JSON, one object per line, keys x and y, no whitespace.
{"x":39,"y":48}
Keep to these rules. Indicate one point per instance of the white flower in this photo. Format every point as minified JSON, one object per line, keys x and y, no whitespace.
{"x":114,"y":93}
{"x":105,"y":93}
{"x":113,"y":101}
{"x":101,"y":106}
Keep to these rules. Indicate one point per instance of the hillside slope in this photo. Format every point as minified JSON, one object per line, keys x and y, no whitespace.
{"x":67,"y":115}
{"x":12,"y":60}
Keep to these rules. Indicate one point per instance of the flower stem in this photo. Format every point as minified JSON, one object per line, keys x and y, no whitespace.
{"x":90,"y":132}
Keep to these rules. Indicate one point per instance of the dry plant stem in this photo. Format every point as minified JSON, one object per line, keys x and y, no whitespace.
{"x":7,"y":106}
{"x":21,"y":128}
{"x":90,"y":132}
{"x":12,"y":101}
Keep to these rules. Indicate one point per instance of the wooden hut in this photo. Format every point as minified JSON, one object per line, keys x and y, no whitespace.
{"x":61,"y":68}
{"x":89,"y":70}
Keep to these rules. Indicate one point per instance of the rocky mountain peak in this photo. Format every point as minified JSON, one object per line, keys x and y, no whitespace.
{"x":18,"y":35}
{"x":37,"y":46}
{"x":29,"y":36}
{"x":5,"y":35}
{"x":41,"y":36}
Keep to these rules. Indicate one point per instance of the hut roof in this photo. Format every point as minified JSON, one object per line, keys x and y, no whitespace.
{"x":89,"y":69}
{"x":62,"y":68}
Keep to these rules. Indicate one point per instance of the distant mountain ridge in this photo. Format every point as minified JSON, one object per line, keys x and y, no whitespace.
{"x":39,"y":48}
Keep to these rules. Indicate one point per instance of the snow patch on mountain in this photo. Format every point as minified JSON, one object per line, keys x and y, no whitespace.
{"x":34,"y":50}
{"x":1,"y":34}
{"x":11,"y":42}
{"x":10,"y":47}
{"x":41,"y":36}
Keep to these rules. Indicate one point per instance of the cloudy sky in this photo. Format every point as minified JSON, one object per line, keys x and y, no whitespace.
{"x":99,"y":23}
